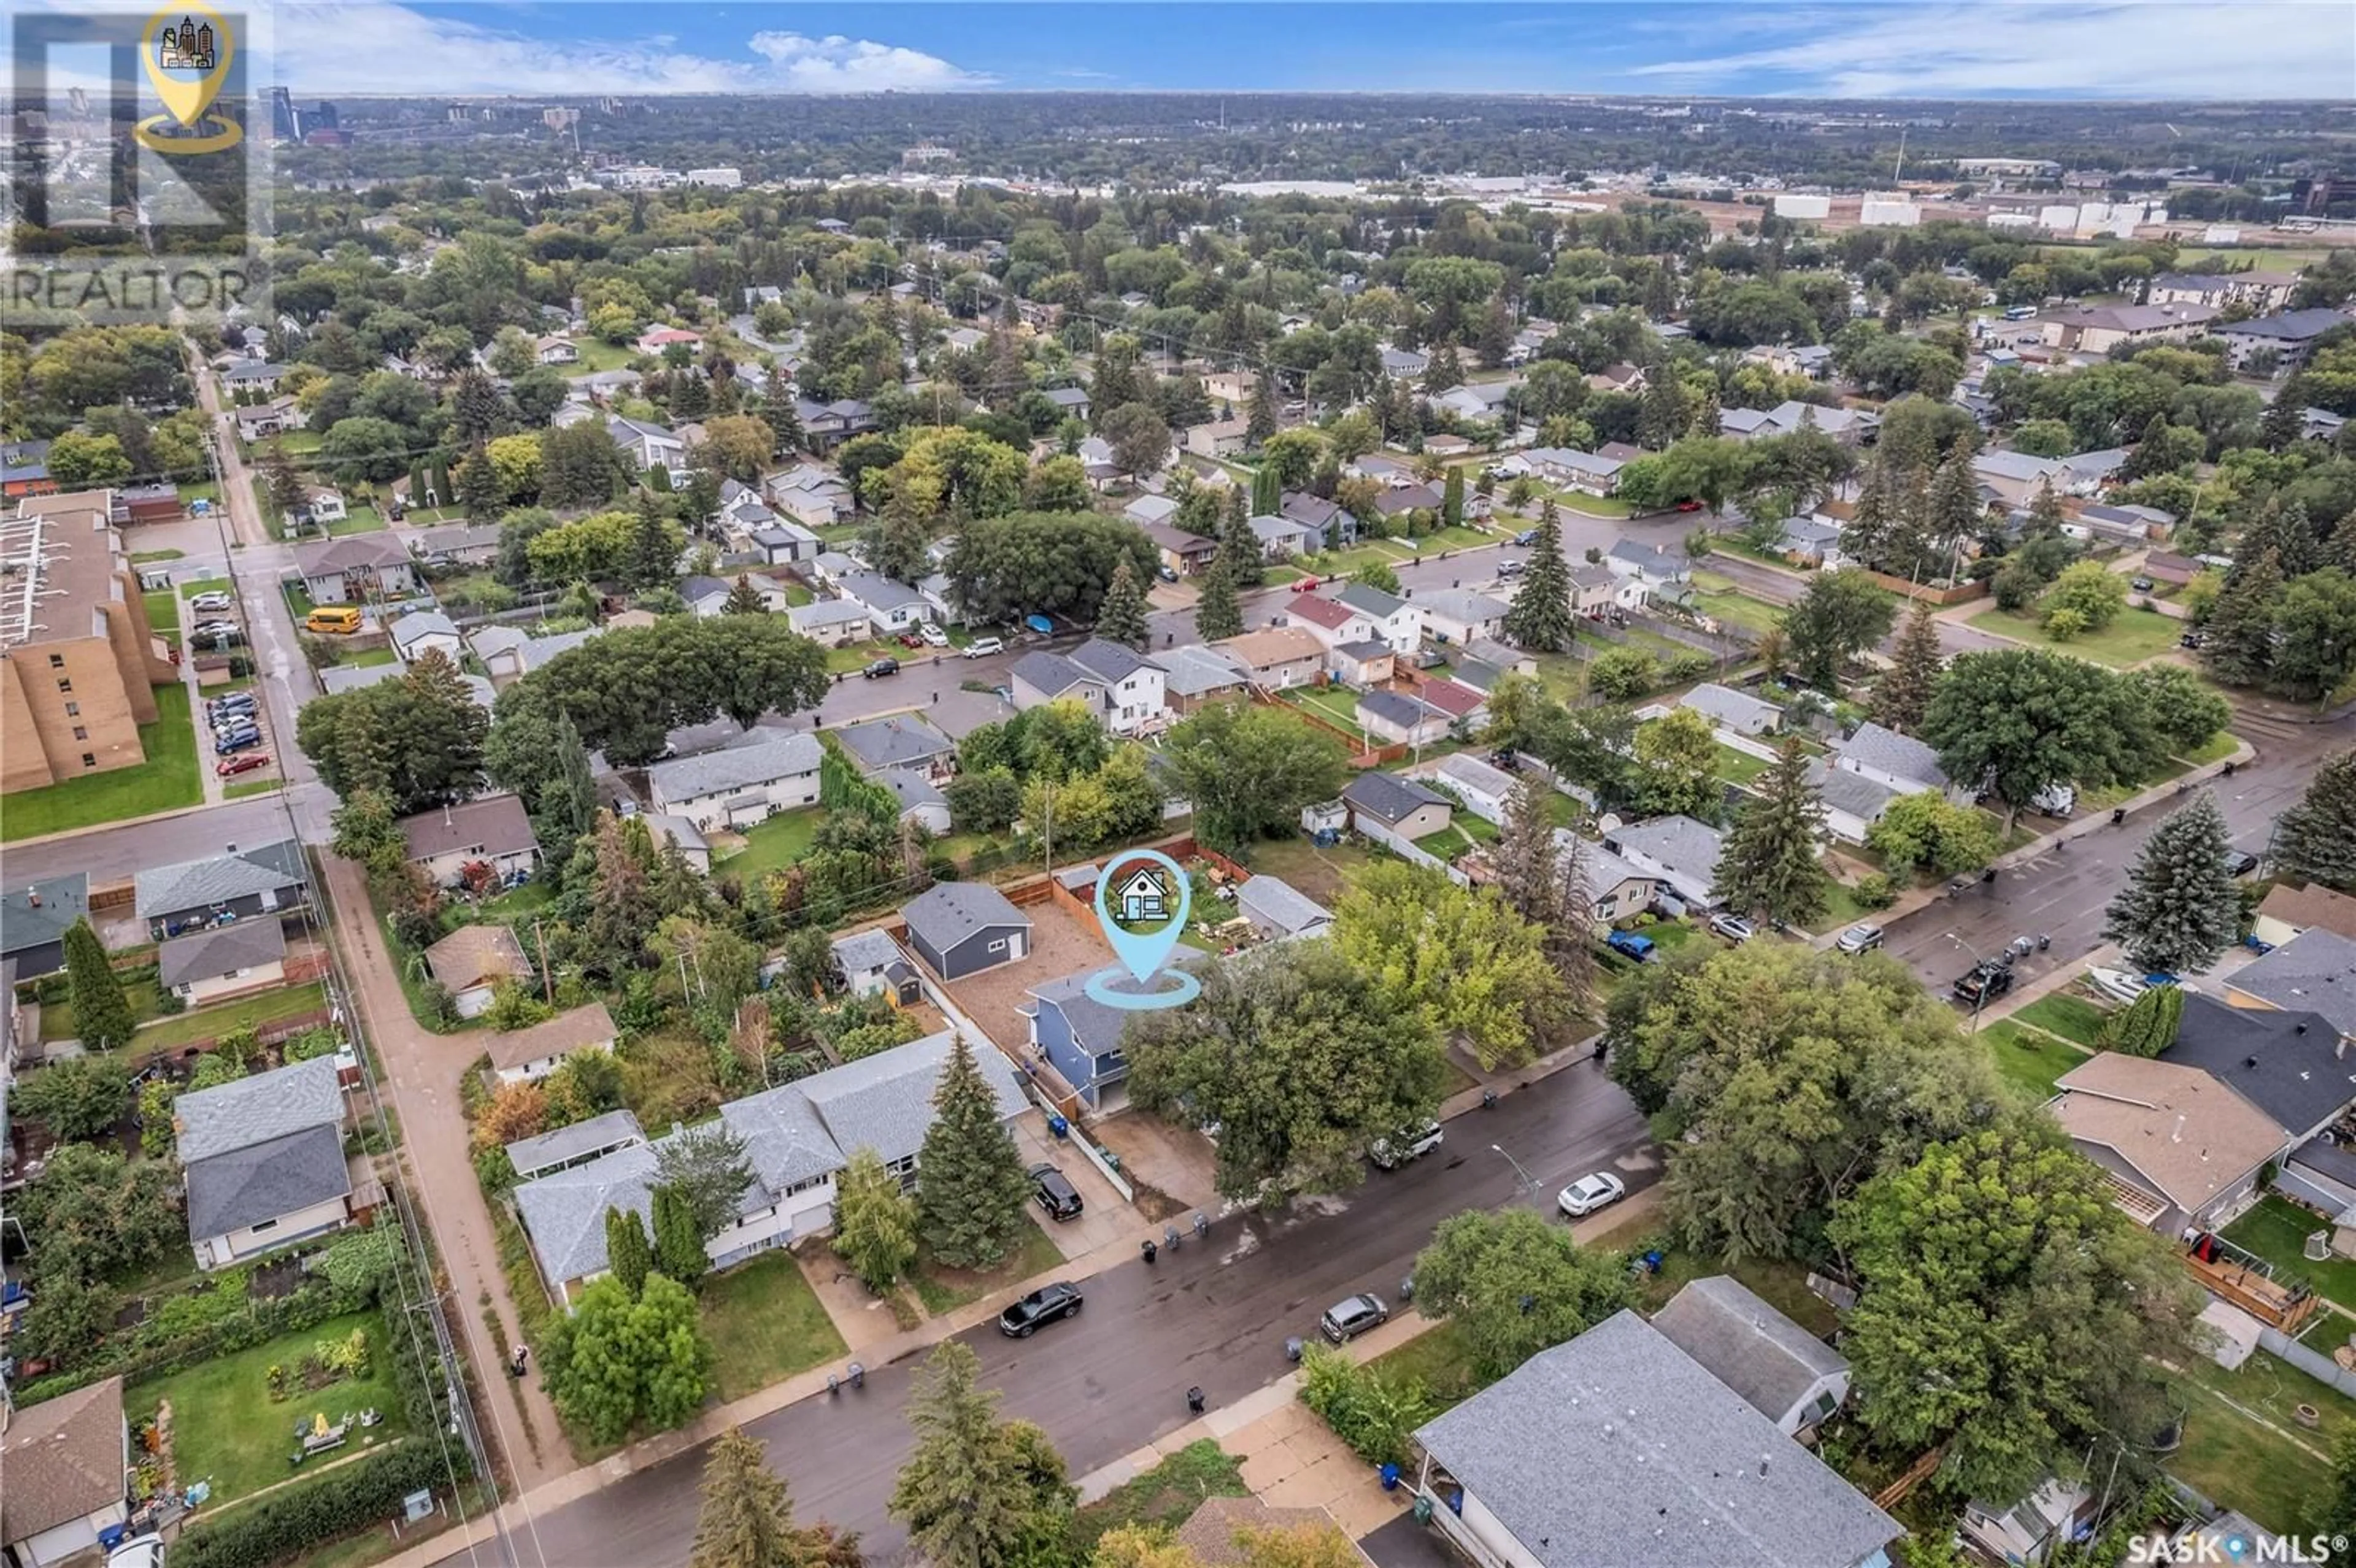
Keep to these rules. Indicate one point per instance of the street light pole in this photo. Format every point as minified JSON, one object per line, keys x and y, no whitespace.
{"x":1528,"y":1183}
{"x":1980,"y":994}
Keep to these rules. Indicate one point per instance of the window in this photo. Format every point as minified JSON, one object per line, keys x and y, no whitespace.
{"x":56,"y":661}
{"x":82,"y":733}
{"x":997,"y":946}
{"x":89,"y":760}
{"x":65,"y":683}
{"x":73,"y":709}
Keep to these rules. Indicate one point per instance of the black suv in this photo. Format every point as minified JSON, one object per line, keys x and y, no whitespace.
{"x":1056,"y":1192}
{"x":1986,"y":980}
{"x":880,"y":669}
{"x":1044,"y":1304}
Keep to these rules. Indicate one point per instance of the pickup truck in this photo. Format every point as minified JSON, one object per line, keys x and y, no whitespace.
{"x":1628,"y":945}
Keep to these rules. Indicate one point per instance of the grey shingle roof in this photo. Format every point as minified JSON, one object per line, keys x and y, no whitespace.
{"x":1901,"y":756}
{"x":1736,"y":710}
{"x":1191,"y":670}
{"x":1109,"y":662}
{"x":946,"y":914}
{"x":885,"y":1101}
{"x":1382,"y":607}
{"x":573,"y":1029}
{"x":1050,"y":674}
{"x":901,"y":741}
{"x":2286,"y":1064}
{"x":1462,"y":605}
{"x":1390,"y":797}
{"x":877,"y":592}
{"x":419,"y":624}
{"x":1677,"y":1482}
{"x":1280,"y":904}
{"x":26,"y":923}
{"x":245,"y":1186}
{"x":543,"y":1149}
{"x":1393,"y":707}
{"x":258,"y":1109}
{"x":778,"y":756}
{"x":351,"y":552}
{"x":1746,"y":1344}
{"x":871,"y":949}
{"x":1844,"y":791}
{"x":208,"y":954}
{"x":200,"y":885}
{"x":914,"y":789}
{"x":2315,"y":970}
{"x":1687,"y":851}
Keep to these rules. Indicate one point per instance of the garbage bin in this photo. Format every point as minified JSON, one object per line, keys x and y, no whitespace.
{"x":1059,"y":1127}
{"x":1422,"y":1509}
{"x":1390,"y":1477}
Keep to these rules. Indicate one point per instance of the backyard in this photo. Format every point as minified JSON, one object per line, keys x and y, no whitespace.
{"x":2135,"y":637}
{"x":2243,"y":1445}
{"x":766,"y":1323}
{"x":1722,"y":601}
{"x":2277,"y":1231}
{"x":774,"y":845}
{"x":1321,"y":874}
{"x":227,"y":1429}
{"x":167,"y":781}
{"x":1331,"y":703}
{"x":247,"y":1012}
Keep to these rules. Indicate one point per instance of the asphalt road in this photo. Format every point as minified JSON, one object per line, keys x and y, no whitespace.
{"x":1115,"y":1378}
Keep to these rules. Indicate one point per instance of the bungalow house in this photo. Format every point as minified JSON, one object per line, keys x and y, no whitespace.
{"x":1390,"y":808}
{"x":1277,"y":657}
{"x":2287,"y":913}
{"x":1072,"y":402}
{"x":1081,"y":1036}
{"x":1396,"y":716}
{"x":1278,"y":910}
{"x":1193,"y":676}
{"x":492,"y":831}
{"x":872,"y":965}
{"x":529,"y":1054}
{"x":228,"y":961}
{"x":2126,"y":524}
{"x":2315,"y":971}
{"x":1220,"y":438}
{"x":647,"y":444}
{"x":471,"y":961}
{"x":1614,"y":889}
{"x":1459,"y":616}
{"x":1673,"y":1468}
{"x":2181,"y":1150}
{"x":68,"y":1461}
{"x":1587,"y":472}
{"x":921,"y":800}
{"x":1393,"y":619}
{"x":457,"y":544}
{"x":2289,"y":1065}
{"x":1187,"y":555}
{"x":769,"y":771}
{"x":354,"y":568}
{"x":898,"y":741}
{"x":1782,"y":1370}
{"x":1330,"y":527}
{"x":1379,"y":468}
{"x":1150,"y":509}
{"x":797,"y":1138}
{"x":251,"y":375}
{"x":421,"y":632}
{"x":544,"y":1154}
{"x":1852,"y":801}
{"x":1400,"y":501}
{"x":556,"y":351}
{"x":1813,"y":542}
{"x":268,"y":881}
{"x":1281,"y":538}
{"x":1682,"y":853}
{"x":656,"y":340}
{"x":2173,"y":571}
{"x":1648,"y":564}
{"x":1368,"y":663}
{"x":263,"y":1161}
{"x":962,"y":928}
{"x":1900,"y":761}
{"x":814,"y":497}
{"x":892,"y":606}
{"x":832,"y":623}
{"x":33,"y":921}
{"x":1484,"y":789}
{"x":1467,"y":706}
{"x":708,"y":596}
{"x":1405,"y":364}
{"x":1738,"y":712}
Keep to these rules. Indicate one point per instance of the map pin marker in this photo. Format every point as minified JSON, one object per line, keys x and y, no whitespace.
{"x":1150,"y":887}
{"x":187,"y":77}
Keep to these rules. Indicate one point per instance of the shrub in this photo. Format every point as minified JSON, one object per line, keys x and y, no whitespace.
{"x":296,"y":1520}
{"x":168,"y":1002}
{"x":1375,"y":1414}
{"x":1873,"y":892}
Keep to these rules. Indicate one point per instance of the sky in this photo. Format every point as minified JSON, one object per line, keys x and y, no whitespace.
{"x":1839,"y":48}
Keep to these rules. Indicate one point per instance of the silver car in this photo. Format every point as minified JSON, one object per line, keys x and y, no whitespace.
{"x":1859,"y":939}
{"x":1353,"y":1315}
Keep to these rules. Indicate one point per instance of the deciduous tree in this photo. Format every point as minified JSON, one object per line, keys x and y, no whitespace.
{"x":1249,"y":769}
{"x":875,"y":1222}
{"x":1841,"y":615}
{"x":2025,"y":719}
{"x":615,"y":1363}
{"x":1464,"y":959}
{"x":1515,"y":1285}
{"x":82,"y":1098}
{"x":1676,"y":765}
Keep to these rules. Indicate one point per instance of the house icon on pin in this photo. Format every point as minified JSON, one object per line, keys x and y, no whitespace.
{"x":1143,"y":896}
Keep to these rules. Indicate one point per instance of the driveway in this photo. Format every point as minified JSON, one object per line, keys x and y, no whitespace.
{"x":1106,"y":1218}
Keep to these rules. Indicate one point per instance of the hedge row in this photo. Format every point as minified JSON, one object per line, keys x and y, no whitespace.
{"x":296,"y":1520}
{"x":264,"y":1318}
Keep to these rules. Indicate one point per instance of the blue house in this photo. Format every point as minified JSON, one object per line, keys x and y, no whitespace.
{"x":1081,"y":1036}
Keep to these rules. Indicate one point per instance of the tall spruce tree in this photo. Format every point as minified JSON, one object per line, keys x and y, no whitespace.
{"x":1540,"y":618}
{"x":1247,"y":560}
{"x":479,"y":490}
{"x":678,"y":1240}
{"x":1267,"y":491}
{"x":2179,"y":909}
{"x":779,"y":411}
{"x":1121,"y":617}
{"x":743,"y":599}
{"x":2287,"y":532}
{"x":627,"y":1252}
{"x":102,"y":1017}
{"x":2285,"y":422}
{"x":2241,"y":628}
{"x":1771,"y":865}
{"x":2314,"y":840}
{"x":1880,"y":519}
{"x":1259,"y":418}
{"x":1452,"y":499}
{"x":1904,"y":690}
{"x":278,"y":472}
{"x":971,"y":1189}
{"x":652,"y":564}
{"x":1570,"y":940}
{"x":978,"y":1492}
{"x":1525,"y":856}
{"x":1218,"y":613}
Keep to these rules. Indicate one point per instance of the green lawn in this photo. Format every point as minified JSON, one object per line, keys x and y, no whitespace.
{"x":2026,"y":1060}
{"x":859,"y":656}
{"x":358,"y":520}
{"x":2238,"y":1461}
{"x":1739,"y":767}
{"x":776,"y":844}
{"x":163,"y":611}
{"x":596,"y":354}
{"x":193,"y":586}
{"x":165,"y":782}
{"x":227,"y":1430}
{"x":2071,"y":1018}
{"x":207,"y":491}
{"x":1164,"y":1496}
{"x":797,"y":596}
{"x":1782,"y":1284}
{"x":57,"y":1016}
{"x":946,"y":1289}
{"x":363,"y":658}
{"x":2135,"y":637}
{"x":1441,"y":1359}
{"x":149,"y":557}
{"x":2217,"y":747}
{"x":1841,"y":911}
{"x":1722,"y":601}
{"x":1330,"y":703}
{"x":212,"y":1023}
{"x":252,"y":788}
{"x":764,"y":1323}
{"x":2277,"y":1231}
{"x":1593,"y":506}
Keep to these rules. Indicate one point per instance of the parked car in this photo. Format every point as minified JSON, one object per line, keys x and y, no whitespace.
{"x":1048,"y":1304}
{"x":1859,"y":939}
{"x":245,"y":762}
{"x":234,"y":703}
{"x":2192,"y":639}
{"x":217,"y":631}
{"x":1526,"y":538}
{"x":1628,"y":945}
{"x":2239,"y":863}
{"x":878,"y":668}
{"x":909,"y":640}
{"x":2141,"y":584}
{"x":1353,"y":1315}
{"x":223,"y":744}
{"x":981,"y":648}
{"x":1306,"y":585}
{"x":1688,"y":505}
{"x":1390,"y":1154}
{"x":1165,"y":574}
{"x":1597,"y":1191}
{"x":1054,"y":1191}
{"x":1508,"y":570}
{"x":1984,"y":981}
{"x":1733,"y":927}
{"x":932,"y":636}
{"x":210,"y":600}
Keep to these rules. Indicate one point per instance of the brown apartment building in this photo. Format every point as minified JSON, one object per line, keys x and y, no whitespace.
{"x":78,"y":664}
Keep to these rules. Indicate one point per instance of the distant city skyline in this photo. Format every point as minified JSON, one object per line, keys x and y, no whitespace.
{"x":2285,"y":49}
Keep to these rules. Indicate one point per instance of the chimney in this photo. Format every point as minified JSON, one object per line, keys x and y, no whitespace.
{"x":33,"y":898}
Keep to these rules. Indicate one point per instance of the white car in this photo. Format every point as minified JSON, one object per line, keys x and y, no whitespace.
{"x":213,"y":600}
{"x":1589,"y":1193}
{"x":981,"y":648}
{"x":934,"y":637}
{"x":2116,"y":984}
{"x":1390,"y":1154}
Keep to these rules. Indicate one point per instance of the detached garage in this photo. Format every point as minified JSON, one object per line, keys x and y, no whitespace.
{"x":963,"y":928}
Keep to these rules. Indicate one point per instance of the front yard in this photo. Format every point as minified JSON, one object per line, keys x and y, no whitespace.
{"x":766,"y":1323}
{"x":227,"y":1429}
{"x":167,"y":781}
{"x":2135,"y":637}
{"x":943,"y":1289}
{"x":2074,"y":1018}
{"x":2028,"y":1060}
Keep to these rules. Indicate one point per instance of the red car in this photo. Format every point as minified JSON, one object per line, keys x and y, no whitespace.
{"x":1688,"y":505}
{"x":243,"y":762}
{"x":1306,"y":585}
{"x":910,"y":640}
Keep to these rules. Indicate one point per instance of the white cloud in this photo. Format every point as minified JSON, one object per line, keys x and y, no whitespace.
{"x":375,"y":47}
{"x":2251,"y":48}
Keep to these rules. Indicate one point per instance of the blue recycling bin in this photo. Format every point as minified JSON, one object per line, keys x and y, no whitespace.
{"x":1390,"y":1477}
{"x":1059,"y":1127}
